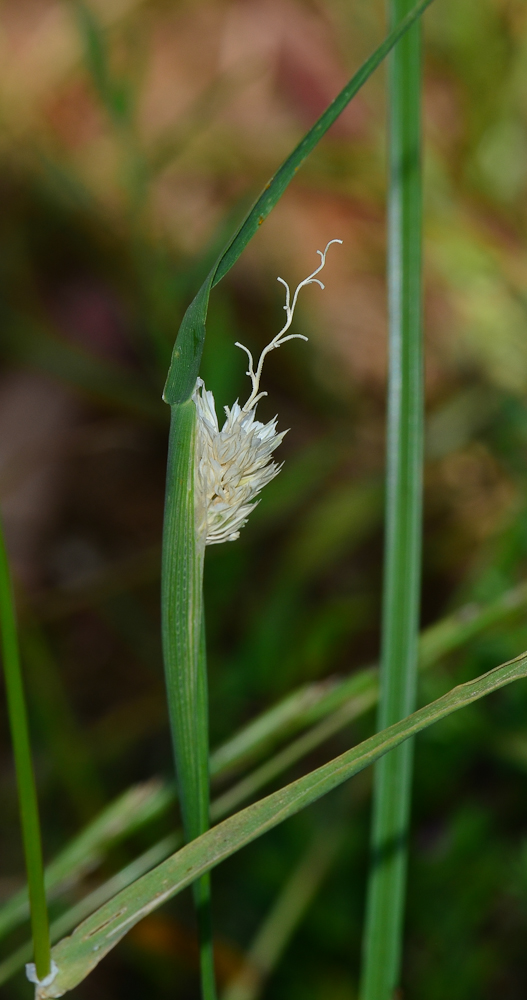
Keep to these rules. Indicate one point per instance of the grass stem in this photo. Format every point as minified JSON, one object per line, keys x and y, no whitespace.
{"x":185,"y":658}
{"x":393,"y":773}
{"x":27,"y":792}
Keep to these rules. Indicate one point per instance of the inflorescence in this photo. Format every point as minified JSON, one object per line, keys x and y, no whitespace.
{"x":234,"y":464}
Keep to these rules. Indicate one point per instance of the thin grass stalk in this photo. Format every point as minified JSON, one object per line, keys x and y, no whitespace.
{"x":72,"y":916}
{"x":27,"y":792}
{"x":184,"y":656}
{"x":393,"y":773}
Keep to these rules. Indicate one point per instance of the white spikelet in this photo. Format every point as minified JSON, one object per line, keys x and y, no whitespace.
{"x":234,"y":464}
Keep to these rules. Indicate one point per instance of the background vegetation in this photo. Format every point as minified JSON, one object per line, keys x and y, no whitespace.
{"x":134,"y":136}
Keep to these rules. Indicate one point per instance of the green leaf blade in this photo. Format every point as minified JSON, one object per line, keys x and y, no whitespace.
{"x":386,"y":891}
{"x":186,"y":356}
{"x":77,"y":955}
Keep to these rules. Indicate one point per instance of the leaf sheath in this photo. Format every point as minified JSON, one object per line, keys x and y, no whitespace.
{"x":184,"y":654}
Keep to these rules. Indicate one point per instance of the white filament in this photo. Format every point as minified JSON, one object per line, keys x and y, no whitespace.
{"x":277,"y":341}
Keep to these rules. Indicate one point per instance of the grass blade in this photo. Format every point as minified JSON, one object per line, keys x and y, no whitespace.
{"x":112,"y":95}
{"x":182,"y":562}
{"x":27,"y":791}
{"x":185,"y":657}
{"x":89,"y":903}
{"x":295,"y":751}
{"x":315,"y":702}
{"x":274,"y":723}
{"x":308,"y":705}
{"x":135,"y":807}
{"x":402,"y":567}
{"x":189,"y":344}
{"x":182,"y":590}
{"x":336,"y":704}
{"x":77,"y":955}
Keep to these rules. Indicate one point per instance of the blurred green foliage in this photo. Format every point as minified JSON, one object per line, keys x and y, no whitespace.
{"x":135,"y":135}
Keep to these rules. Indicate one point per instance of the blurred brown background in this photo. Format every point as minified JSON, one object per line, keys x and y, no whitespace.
{"x":134,"y":136}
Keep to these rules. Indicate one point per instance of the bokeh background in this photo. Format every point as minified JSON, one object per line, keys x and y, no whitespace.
{"x":134,"y":135}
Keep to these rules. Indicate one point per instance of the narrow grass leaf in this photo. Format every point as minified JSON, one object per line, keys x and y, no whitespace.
{"x":77,"y":955}
{"x":112,"y":94}
{"x":262,"y":731}
{"x":309,"y":704}
{"x":189,"y":344}
{"x":89,"y":903}
{"x":143,"y":803}
{"x":184,"y":655}
{"x":402,"y":562}
{"x":182,"y":592}
{"x":137,"y":806}
{"x":25,"y":778}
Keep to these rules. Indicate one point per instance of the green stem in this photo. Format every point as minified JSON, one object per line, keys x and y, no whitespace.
{"x":27,"y":792}
{"x":393,"y":775}
{"x":185,"y":657}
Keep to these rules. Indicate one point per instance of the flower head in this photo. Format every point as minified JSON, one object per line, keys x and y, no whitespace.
{"x":234,"y":464}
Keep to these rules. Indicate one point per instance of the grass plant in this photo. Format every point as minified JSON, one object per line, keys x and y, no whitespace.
{"x":184,"y":641}
{"x":122,"y":818}
{"x":185,"y":657}
{"x":27,"y":793}
{"x":402,"y":566}
{"x":320,"y":590}
{"x":324,"y":709}
{"x":78,"y":954}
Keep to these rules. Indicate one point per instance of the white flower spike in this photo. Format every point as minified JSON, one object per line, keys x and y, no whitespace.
{"x":234,"y":464}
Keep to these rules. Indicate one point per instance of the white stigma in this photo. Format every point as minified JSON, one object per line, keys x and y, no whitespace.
{"x":234,"y":464}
